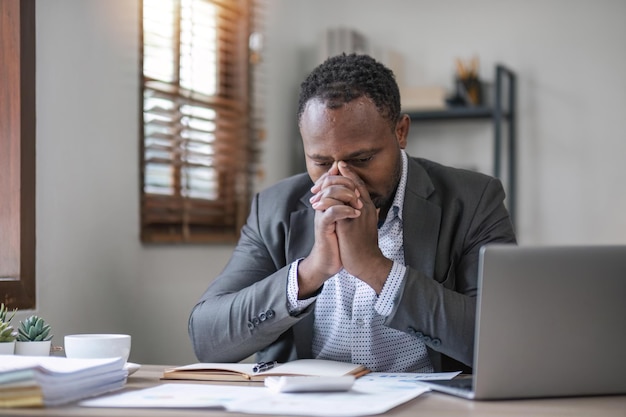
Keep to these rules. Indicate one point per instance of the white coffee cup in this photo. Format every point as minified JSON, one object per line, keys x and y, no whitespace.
{"x":100,"y":345}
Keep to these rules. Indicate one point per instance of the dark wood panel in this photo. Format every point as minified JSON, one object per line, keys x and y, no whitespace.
{"x":17,"y":153}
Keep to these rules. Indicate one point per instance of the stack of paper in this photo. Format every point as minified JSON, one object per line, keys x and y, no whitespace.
{"x":31,"y":381}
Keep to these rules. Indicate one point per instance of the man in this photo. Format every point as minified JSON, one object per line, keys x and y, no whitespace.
{"x":370,"y":258}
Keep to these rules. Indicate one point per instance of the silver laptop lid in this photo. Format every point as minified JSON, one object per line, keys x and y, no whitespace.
{"x":551,"y":321}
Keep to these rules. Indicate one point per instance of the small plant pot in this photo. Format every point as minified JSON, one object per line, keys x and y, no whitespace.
{"x":7,"y":348}
{"x":33,"y":348}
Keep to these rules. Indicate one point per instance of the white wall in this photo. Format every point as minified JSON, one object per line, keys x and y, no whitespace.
{"x":95,"y":276}
{"x":570,"y":61}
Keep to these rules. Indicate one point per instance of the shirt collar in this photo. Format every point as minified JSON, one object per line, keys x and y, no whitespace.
{"x":398,"y":200}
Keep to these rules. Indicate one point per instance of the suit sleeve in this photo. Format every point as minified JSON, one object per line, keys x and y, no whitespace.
{"x":441,"y":311}
{"x":245,"y":309}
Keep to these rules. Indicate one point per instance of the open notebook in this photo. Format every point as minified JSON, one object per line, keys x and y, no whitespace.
{"x":550,"y":323}
{"x":245,"y":371}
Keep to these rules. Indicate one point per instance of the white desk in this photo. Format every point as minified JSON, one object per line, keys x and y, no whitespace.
{"x":427,"y":405}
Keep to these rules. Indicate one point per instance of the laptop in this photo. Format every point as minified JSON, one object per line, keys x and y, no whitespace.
{"x":551,"y":322}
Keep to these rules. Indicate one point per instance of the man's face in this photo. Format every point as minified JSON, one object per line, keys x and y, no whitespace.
{"x":358,"y":135}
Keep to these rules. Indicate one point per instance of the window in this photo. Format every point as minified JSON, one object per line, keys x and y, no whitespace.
{"x":17,"y":153}
{"x":199,"y":133}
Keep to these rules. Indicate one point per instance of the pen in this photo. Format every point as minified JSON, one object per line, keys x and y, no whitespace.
{"x":263,"y":366}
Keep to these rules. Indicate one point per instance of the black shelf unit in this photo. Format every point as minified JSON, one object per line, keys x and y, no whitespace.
{"x":503,"y":117}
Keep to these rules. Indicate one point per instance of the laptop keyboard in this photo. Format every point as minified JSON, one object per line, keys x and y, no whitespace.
{"x":461,"y":383}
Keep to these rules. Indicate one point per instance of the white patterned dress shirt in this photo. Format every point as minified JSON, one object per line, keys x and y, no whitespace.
{"x":349,"y":316}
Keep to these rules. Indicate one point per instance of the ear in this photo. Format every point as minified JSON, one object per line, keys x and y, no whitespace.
{"x":402,"y":130}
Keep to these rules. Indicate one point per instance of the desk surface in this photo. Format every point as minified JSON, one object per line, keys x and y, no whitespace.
{"x":429,"y":404}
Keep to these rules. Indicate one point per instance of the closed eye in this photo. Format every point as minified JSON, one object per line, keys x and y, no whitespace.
{"x":361,"y":161}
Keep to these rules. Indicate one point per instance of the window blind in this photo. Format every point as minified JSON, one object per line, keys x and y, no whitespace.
{"x":199,"y":132}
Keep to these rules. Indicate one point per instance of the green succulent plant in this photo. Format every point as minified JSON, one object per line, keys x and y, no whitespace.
{"x":3,"y":314}
{"x":7,"y":334}
{"x":33,"y":329}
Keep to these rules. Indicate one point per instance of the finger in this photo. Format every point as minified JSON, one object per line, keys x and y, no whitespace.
{"x":323,"y":203}
{"x":340,"y":193}
{"x":346,"y":171}
{"x":332,"y":178}
{"x":336,"y":182}
{"x":339,"y":212}
{"x":327,"y":181}
{"x":332,"y":181}
{"x":333,"y":171}
{"x":318,"y":184}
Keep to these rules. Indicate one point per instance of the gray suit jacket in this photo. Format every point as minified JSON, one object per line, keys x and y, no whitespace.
{"x":448,"y":215}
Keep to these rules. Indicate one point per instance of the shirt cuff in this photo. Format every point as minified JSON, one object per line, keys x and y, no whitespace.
{"x":296,"y":306}
{"x":387,"y":297}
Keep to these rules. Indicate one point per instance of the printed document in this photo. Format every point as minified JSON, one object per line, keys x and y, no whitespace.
{"x":371,"y":394}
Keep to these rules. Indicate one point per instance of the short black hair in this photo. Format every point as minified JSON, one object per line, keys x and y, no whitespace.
{"x":343,"y":78}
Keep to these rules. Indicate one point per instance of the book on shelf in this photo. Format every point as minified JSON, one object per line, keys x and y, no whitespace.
{"x":245,"y":371}
{"x":37,"y":381}
{"x":423,"y":98}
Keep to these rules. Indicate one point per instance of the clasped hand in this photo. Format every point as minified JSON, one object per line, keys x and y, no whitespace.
{"x":346,"y":233}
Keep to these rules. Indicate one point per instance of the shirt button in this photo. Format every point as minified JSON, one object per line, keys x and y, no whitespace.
{"x":359,"y":322}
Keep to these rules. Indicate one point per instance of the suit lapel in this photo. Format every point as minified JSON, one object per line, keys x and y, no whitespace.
{"x":301,"y":233}
{"x":421,"y":221}
{"x":300,"y":241}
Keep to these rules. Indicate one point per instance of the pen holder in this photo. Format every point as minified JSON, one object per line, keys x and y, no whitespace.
{"x":470,"y":90}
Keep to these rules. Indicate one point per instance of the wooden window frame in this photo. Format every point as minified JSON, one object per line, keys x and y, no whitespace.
{"x":178,"y":217}
{"x":17,"y":153}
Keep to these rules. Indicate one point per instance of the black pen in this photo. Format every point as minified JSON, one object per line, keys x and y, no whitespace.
{"x":263,"y":366}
